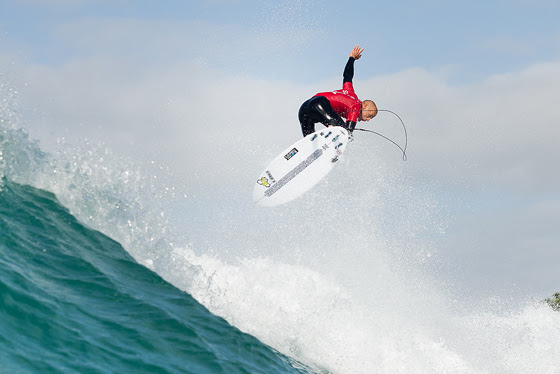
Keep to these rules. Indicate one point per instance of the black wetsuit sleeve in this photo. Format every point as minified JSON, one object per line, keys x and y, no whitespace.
{"x":348,"y":74}
{"x":350,"y":125}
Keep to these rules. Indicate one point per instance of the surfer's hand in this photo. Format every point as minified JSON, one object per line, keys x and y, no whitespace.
{"x":356,"y":52}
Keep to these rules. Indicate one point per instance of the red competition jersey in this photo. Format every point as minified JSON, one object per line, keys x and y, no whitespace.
{"x":345,"y":102}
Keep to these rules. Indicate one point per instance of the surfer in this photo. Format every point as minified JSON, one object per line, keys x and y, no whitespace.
{"x":328,"y":108}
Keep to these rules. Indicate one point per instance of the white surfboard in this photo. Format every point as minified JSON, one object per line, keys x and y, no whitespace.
{"x":300,"y":167}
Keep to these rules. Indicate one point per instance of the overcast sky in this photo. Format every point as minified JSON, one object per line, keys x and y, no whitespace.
{"x":477,"y":83}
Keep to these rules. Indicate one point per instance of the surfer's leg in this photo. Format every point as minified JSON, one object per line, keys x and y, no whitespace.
{"x":307,"y":124}
{"x":322,"y":111}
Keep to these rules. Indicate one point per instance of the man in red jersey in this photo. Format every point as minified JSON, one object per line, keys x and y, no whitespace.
{"x":328,"y":108}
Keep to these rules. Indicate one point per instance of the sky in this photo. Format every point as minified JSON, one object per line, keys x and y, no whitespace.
{"x":475,"y":82}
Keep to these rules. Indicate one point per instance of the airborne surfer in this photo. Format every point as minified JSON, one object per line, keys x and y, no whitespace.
{"x":329,"y":108}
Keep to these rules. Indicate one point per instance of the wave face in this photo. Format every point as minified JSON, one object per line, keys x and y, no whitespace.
{"x":98,"y":275}
{"x":73,"y":300}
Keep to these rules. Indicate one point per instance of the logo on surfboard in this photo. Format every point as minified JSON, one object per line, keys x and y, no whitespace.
{"x":263,"y":182}
{"x":291,"y":154}
{"x":267,"y":182}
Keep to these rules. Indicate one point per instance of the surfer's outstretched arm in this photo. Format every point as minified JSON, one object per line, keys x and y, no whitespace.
{"x":355,"y":54}
{"x":348,"y":74}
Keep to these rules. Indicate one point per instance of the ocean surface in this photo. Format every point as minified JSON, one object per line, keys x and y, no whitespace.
{"x":96,"y":276}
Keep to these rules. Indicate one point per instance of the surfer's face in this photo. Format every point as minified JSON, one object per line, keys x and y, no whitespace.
{"x":367,"y":115}
{"x":369,"y":110}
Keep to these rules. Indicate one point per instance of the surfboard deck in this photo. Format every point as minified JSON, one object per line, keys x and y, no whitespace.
{"x":300,"y":167}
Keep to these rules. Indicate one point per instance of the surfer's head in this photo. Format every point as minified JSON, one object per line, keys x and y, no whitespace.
{"x":369,"y":110}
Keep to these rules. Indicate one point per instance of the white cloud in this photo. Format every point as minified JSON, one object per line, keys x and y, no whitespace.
{"x":501,"y":132}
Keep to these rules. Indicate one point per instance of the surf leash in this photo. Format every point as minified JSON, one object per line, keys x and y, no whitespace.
{"x":403,"y":150}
